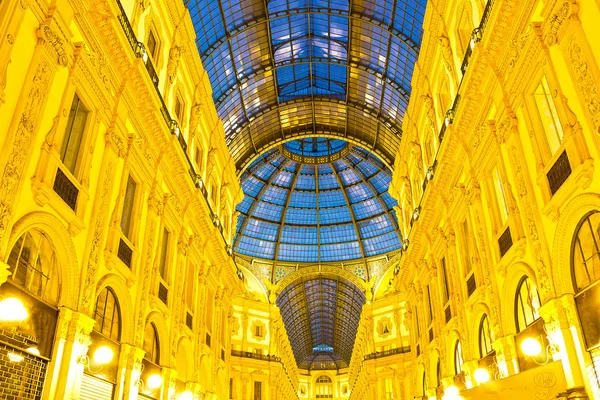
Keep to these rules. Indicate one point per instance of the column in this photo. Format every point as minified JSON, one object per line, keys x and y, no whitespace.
{"x":470,"y":367}
{"x":560,"y":317}
{"x":71,"y":345}
{"x":506,"y":355}
{"x":132,"y":373}
{"x":169,"y":378}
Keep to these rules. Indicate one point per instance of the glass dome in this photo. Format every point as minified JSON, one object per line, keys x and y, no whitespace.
{"x":321,"y":212}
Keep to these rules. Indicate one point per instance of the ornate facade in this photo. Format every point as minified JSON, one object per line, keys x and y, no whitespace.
{"x":127,"y":272}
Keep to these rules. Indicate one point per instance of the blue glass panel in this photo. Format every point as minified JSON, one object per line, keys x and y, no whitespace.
{"x":340,"y":251}
{"x":367,"y":209}
{"x":389,"y":200}
{"x":305,"y":182}
{"x":268,"y":211}
{"x":245,"y":204}
{"x":301,"y":199}
{"x":377,"y":245}
{"x":299,"y":235}
{"x":206,"y":17}
{"x":381,"y":182}
{"x":334,"y":215}
{"x":291,"y":252}
{"x":300,"y":216}
{"x":358,"y":193}
{"x":275,"y":195}
{"x":349,"y":177}
{"x":338,"y":233}
{"x":261,"y":230}
{"x":367,"y":169}
{"x":331,"y":198}
{"x":265,"y":172}
{"x":256,"y":248}
{"x":314,"y":147}
{"x":252,"y":186}
{"x":284,"y":179}
{"x":328,"y":182}
{"x":375,"y":227}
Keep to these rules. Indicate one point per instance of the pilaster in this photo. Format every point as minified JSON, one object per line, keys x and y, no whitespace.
{"x":560,"y":317}
{"x":132,"y":370}
{"x":4,"y":272}
{"x":469,"y":368}
{"x":506,"y":355}
{"x":71,"y":345}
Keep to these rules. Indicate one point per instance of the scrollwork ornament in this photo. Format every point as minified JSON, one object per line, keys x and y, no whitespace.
{"x":556,"y":21}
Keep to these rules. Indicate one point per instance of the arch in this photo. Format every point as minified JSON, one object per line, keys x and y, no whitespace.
{"x":471,"y":348}
{"x":434,"y":362}
{"x":319,"y":271}
{"x":421,"y":379}
{"x":511,"y":282}
{"x":60,"y":238}
{"x":118,"y":286}
{"x":568,"y":222}
{"x":452,"y":337}
{"x":323,"y":384}
{"x":205,"y":372}
{"x":185,"y":355}
{"x":156,"y":318}
{"x":484,"y":336}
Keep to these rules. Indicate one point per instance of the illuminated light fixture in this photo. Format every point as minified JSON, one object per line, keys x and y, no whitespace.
{"x":14,"y":357}
{"x":482,"y":375}
{"x":451,"y":391}
{"x":416,"y":213}
{"x":12,"y":310}
{"x":531,"y":347}
{"x":475,"y":37}
{"x":449,"y":117}
{"x":154,"y":381}
{"x":429,"y":173}
{"x":103,"y":355}
{"x":187,"y":395}
{"x":33,"y":350}
{"x":143,"y":53}
{"x":405,"y":244}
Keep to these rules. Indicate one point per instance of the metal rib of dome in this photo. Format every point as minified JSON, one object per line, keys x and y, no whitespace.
{"x":329,"y":212}
{"x":284,"y":68}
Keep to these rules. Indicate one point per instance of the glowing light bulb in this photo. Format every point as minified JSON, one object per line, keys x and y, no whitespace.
{"x":154,"y":381}
{"x":482,"y":375}
{"x":451,"y":391}
{"x":33,"y":350}
{"x":12,"y":310}
{"x":103,"y":355}
{"x":187,"y":395}
{"x":531,"y":347}
{"x":14,"y":357}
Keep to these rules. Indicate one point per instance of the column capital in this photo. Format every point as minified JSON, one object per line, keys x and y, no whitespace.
{"x":506,"y":355}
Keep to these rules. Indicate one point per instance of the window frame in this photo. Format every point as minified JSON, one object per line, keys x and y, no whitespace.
{"x":519,"y":304}
{"x":574,"y":247}
{"x":458,"y":357}
{"x":155,"y":359}
{"x":484,"y":334}
{"x":66,"y":136}
{"x":116,"y":308}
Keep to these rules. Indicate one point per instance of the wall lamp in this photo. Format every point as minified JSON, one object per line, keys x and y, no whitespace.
{"x":187,"y":395}
{"x":452,"y":393}
{"x":449,"y":117}
{"x":531,"y":348}
{"x":12,"y":310}
{"x":416,"y":213}
{"x":102,"y":356}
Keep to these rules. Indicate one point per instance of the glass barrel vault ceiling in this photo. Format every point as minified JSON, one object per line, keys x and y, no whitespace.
{"x":329,"y":212}
{"x":321,"y":317}
{"x":283,"y":68}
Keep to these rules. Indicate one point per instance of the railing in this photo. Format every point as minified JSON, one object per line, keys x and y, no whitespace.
{"x":387,"y":353}
{"x":140,"y":52}
{"x":248,"y":354}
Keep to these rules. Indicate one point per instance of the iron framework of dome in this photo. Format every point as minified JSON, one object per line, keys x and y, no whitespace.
{"x":286,"y":68}
{"x":316,"y":212}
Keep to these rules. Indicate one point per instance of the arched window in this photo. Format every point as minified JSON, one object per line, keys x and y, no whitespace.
{"x":438,"y":373}
{"x":151,"y":344}
{"x":324,"y":387}
{"x":458,"y":358}
{"x":33,"y":266}
{"x":485,"y":339}
{"x":423,"y":384}
{"x":586,"y":252}
{"x":527,"y":304}
{"x":108,"y":315}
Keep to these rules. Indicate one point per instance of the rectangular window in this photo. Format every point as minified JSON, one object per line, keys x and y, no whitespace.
{"x":548,"y":115}
{"x":445,"y":287}
{"x":258,"y":331}
{"x":430,"y":307}
{"x":198,"y":157}
{"x":467,"y":247}
{"x":179,"y":109}
{"x":389,"y":388}
{"x":128,"y":203}
{"x":500,"y":195}
{"x":189,"y":286}
{"x":152,"y":45}
{"x":209,"y":309}
{"x":231,"y":388}
{"x":257,"y":390}
{"x":164,"y":251}
{"x":71,"y":144}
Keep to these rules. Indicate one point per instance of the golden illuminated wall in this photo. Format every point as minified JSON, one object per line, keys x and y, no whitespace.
{"x":496,"y":172}
{"x":140,"y":211}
